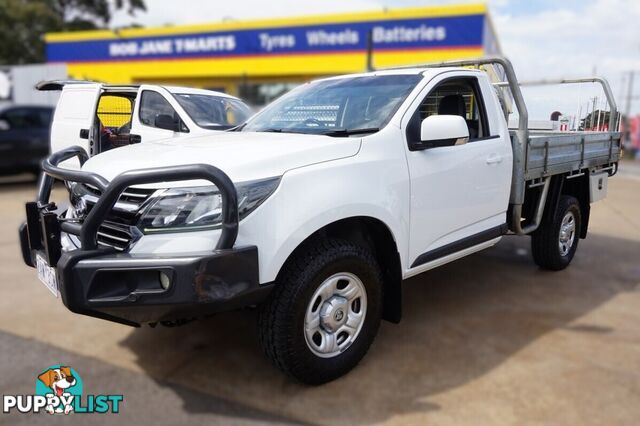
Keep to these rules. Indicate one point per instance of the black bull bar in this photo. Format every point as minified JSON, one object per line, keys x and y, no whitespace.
{"x":225,"y":279}
{"x":111,"y":191}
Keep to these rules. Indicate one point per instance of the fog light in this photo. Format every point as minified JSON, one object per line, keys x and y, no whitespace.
{"x":165,"y":282}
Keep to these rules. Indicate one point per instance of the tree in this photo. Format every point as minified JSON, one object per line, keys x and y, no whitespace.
{"x":82,"y":14}
{"x":21,"y":27}
{"x":23,"y":23}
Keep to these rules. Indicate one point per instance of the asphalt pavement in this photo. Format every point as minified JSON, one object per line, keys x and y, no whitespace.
{"x":489,"y":339}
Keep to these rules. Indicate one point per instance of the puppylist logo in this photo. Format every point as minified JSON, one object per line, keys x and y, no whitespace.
{"x":59,"y":390}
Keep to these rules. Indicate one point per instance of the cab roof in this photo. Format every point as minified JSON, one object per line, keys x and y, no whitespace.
{"x":56,"y":85}
{"x":417,"y":70}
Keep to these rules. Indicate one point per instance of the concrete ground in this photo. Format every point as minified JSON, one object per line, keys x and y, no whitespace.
{"x":489,"y":339}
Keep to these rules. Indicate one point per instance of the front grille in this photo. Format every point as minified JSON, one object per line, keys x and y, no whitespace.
{"x":118,"y":230}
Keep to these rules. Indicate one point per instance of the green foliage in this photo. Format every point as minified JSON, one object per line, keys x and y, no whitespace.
{"x":23,"y":23}
{"x":21,"y":27}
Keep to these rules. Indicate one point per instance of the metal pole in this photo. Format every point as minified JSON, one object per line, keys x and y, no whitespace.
{"x":585,"y":126}
{"x":576,"y":122}
{"x":370,"y":51}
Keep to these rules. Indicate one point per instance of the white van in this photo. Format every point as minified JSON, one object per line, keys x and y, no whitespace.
{"x":99,"y":117}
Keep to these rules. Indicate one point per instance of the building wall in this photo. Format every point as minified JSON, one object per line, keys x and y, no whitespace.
{"x":23,"y":79}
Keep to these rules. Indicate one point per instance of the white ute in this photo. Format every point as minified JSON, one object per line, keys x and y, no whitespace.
{"x":317,"y":208}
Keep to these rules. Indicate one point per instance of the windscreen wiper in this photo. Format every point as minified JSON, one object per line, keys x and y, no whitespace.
{"x":282,"y":130}
{"x":349,"y":132}
{"x":237,"y":128}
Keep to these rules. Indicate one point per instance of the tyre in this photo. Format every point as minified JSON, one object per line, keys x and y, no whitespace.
{"x":324,"y":312}
{"x":555,"y":242}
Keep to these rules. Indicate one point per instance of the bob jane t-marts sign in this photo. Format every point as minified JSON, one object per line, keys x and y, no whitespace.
{"x":387,"y":34}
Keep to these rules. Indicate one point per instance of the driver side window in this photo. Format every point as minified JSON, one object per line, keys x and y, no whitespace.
{"x":455,"y":96}
{"x":152,"y":105}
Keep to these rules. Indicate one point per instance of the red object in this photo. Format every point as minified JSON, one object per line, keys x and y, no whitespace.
{"x":634,"y":131}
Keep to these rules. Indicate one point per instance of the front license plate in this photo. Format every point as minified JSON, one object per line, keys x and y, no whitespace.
{"x":47,"y":275}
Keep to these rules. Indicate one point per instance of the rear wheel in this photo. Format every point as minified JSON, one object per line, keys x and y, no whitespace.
{"x":555,"y":242}
{"x":324,"y":312}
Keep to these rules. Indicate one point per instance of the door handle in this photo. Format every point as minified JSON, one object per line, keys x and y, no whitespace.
{"x":494,"y":159}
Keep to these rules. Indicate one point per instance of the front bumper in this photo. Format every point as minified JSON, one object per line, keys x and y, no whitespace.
{"x":135,"y":289}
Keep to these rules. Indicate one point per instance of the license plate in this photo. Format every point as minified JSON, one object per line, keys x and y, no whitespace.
{"x":47,"y":275}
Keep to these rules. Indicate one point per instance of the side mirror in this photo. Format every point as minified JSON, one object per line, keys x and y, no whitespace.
{"x":4,"y":125}
{"x":442,"y":130}
{"x":167,"y":122}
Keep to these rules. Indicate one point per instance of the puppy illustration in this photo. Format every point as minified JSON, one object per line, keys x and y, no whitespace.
{"x":58,"y":380}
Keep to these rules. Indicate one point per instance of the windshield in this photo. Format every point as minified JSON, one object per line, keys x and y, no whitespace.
{"x":356,"y":105}
{"x":214,"y":112}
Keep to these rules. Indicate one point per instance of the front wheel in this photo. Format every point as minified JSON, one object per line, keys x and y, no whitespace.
{"x":324,"y":312}
{"x":555,"y":242}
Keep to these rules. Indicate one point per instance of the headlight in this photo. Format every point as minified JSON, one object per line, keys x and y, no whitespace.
{"x":200,"y":208}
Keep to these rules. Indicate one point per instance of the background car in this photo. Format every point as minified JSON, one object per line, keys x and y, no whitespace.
{"x":24,"y":138}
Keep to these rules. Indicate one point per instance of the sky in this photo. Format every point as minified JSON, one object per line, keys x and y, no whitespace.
{"x":543,"y":38}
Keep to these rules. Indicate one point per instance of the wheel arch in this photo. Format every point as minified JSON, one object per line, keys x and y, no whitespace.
{"x":560,"y":185}
{"x":376,"y":236}
{"x":579,"y":188}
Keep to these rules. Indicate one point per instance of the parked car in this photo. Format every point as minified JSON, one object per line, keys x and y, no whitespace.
{"x":24,"y":138}
{"x":317,"y":209}
{"x":99,"y":117}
